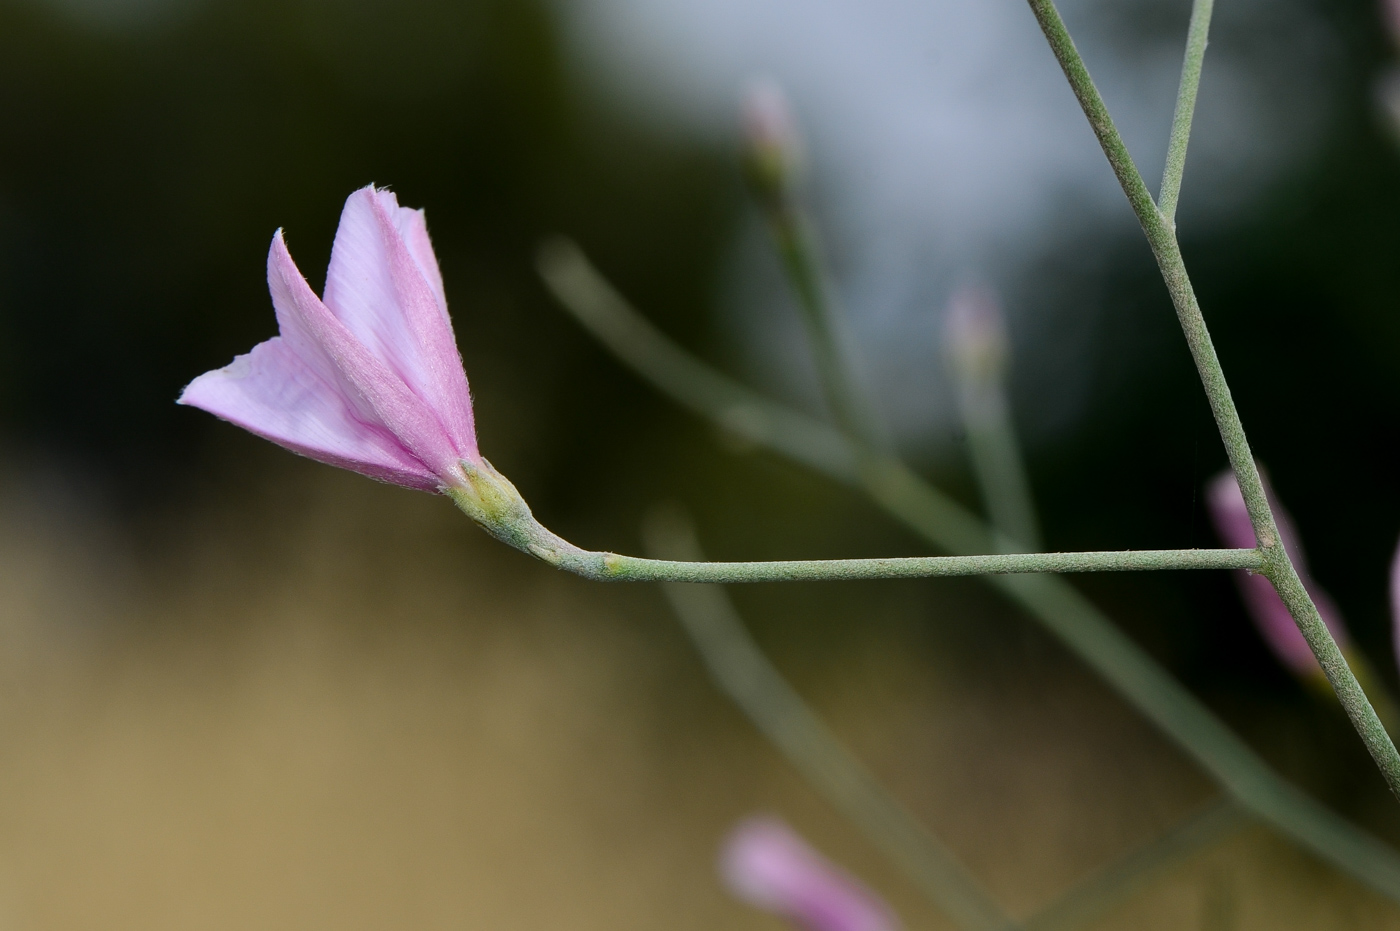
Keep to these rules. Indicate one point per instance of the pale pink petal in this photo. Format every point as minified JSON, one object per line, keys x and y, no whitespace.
{"x":765,"y":863}
{"x":386,"y":289}
{"x":275,"y":394}
{"x":413,"y":227}
{"x":1231,"y":519}
{"x":376,"y":392}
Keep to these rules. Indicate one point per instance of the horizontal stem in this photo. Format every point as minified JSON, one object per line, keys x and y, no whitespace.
{"x":612,"y":567}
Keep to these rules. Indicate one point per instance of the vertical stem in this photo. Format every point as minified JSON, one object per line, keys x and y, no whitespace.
{"x":798,"y":249}
{"x":1196,"y":40}
{"x":974,"y":332}
{"x":1001,"y":472}
{"x":1162,"y":239}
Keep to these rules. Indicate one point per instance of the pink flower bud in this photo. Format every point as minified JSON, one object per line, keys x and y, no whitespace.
{"x":768,"y":865}
{"x":368,"y":378}
{"x":774,"y":145}
{"x":1276,"y":625}
{"x":975,"y":332}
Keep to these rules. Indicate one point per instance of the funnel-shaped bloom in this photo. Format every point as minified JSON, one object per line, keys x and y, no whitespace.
{"x":766,"y":864}
{"x":1227,"y":511}
{"x":368,"y":378}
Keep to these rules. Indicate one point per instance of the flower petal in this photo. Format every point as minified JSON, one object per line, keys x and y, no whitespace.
{"x":765,"y":863}
{"x":384,"y":285}
{"x":275,"y":394}
{"x":377,"y":394}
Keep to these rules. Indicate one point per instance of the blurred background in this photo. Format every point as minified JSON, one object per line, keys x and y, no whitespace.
{"x":240,"y":689}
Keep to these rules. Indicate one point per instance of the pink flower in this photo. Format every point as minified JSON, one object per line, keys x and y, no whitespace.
{"x":1270,"y":615}
{"x":368,"y":378}
{"x":975,"y":332}
{"x":766,"y":864}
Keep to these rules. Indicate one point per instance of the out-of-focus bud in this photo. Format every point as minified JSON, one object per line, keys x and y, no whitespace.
{"x":1388,"y":100}
{"x":765,"y":863}
{"x":974,"y":332}
{"x":773,"y":146}
{"x":1276,"y":625}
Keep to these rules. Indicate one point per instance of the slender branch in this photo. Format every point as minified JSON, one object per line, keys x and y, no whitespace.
{"x":1278,"y":567}
{"x":612,"y":567}
{"x":1115,"y":882}
{"x":1056,"y":604}
{"x":974,"y":332}
{"x":743,"y":672}
{"x":748,"y":677}
{"x":770,"y":163}
{"x":1000,"y":470}
{"x":489,"y":498}
{"x":1196,"y":39}
{"x":739,"y":410}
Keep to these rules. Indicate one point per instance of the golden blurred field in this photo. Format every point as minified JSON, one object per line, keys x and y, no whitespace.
{"x":341,"y":706}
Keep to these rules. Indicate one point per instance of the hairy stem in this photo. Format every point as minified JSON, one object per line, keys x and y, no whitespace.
{"x":1196,"y":39}
{"x":612,"y":567}
{"x":1162,"y":239}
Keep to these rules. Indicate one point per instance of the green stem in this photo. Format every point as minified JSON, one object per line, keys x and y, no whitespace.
{"x":746,"y":675}
{"x":927,"y":511}
{"x":1162,"y":239}
{"x":997,"y":463}
{"x":1115,"y":882}
{"x":492,"y":501}
{"x":1196,"y":39}
{"x":797,"y":247}
{"x":615,"y":568}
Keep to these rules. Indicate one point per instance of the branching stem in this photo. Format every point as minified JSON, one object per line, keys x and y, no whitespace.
{"x":930,"y":513}
{"x":1196,"y":38}
{"x":1162,"y":239}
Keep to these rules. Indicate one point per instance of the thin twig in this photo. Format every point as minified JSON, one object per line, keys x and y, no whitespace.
{"x":1197,"y":34}
{"x":1060,"y":607}
{"x":1115,"y":882}
{"x":612,"y":567}
{"x":746,"y":675}
{"x":1278,"y":566}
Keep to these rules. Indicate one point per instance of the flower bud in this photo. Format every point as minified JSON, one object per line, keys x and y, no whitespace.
{"x":974,"y":331}
{"x":773,"y":145}
{"x":765,"y":863}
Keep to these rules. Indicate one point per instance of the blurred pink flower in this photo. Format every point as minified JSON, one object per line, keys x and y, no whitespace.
{"x":765,"y":863}
{"x":1392,"y":18}
{"x":974,"y":330}
{"x":368,"y":379}
{"x":1270,"y":615}
{"x":773,"y":144}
